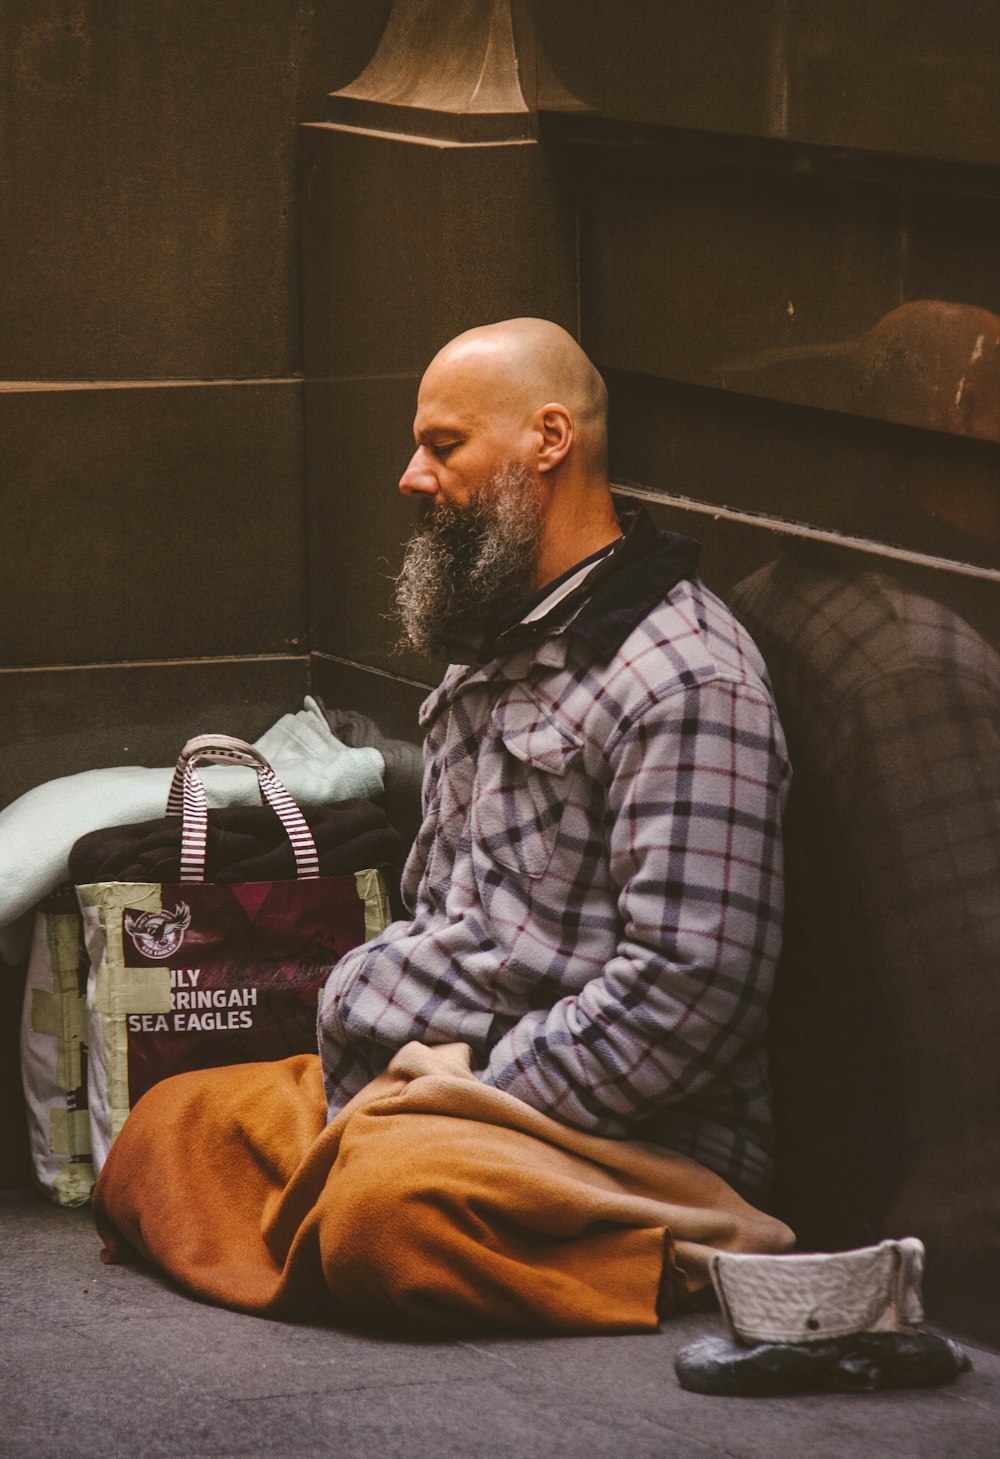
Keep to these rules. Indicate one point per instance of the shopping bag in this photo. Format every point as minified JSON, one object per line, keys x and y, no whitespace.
{"x":194,"y":974}
{"x":53,"y":1052}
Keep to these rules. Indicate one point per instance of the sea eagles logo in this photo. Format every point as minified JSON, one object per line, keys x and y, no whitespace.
{"x":158,"y":934}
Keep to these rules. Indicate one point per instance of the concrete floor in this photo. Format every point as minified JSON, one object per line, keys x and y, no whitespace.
{"x":110,"y":1361}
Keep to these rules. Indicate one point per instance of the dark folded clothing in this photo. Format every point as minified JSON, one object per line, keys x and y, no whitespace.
{"x":245,"y":843}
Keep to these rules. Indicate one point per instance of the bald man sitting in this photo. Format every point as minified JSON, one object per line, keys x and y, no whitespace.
{"x":596,"y":895}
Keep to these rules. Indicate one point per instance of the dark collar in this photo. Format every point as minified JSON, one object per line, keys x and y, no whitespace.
{"x":520,"y":611}
{"x":612,"y":600}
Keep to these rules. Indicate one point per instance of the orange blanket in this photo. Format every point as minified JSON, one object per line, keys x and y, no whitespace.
{"x":430,"y":1201}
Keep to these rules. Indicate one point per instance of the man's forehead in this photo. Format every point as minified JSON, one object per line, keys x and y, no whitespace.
{"x":450,"y":401}
{"x":438,"y":417}
{"x":467,"y":386}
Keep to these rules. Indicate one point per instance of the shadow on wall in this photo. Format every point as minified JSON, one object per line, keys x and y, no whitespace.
{"x":887,"y":1018}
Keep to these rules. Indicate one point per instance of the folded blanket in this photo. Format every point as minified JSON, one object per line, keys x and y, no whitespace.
{"x":431,"y":1202}
{"x":245,"y":843}
{"x":38,"y":829}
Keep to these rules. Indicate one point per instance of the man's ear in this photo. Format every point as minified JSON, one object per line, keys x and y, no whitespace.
{"x":555,"y":429}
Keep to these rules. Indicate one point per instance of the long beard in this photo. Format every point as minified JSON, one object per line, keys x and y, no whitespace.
{"x":467,"y":565}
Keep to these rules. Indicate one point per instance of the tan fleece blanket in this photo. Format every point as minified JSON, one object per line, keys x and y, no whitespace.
{"x":431,"y":1201}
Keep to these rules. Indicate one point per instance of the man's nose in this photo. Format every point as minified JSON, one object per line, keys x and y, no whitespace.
{"x":418,"y":479}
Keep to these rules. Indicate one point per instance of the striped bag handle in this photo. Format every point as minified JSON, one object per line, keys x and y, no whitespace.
{"x":187,"y":799}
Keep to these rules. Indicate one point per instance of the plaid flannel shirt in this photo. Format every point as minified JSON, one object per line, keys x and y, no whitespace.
{"x":597,"y":883}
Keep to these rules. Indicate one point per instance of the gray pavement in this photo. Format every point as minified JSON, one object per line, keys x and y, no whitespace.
{"x":111,"y":1361}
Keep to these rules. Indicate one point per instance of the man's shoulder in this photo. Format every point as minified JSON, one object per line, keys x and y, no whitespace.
{"x":690,"y":637}
{"x":685,"y":642}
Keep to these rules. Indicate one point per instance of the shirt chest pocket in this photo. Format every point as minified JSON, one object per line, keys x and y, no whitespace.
{"x":522,"y":785}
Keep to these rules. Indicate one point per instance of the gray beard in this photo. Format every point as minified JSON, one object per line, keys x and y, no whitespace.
{"x":467,"y":565}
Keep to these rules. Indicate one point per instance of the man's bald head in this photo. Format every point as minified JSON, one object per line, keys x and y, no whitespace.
{"x":517,"y":367}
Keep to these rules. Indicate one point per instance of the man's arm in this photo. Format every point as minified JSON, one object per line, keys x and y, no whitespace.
{"x":695,"y":799}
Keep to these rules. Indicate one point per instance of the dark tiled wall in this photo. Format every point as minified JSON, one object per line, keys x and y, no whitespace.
{"x":153,"y":521}
{"x":150,"y":407}
{"x":759,"y":268}
{"x":149,"y":181}
{"x":897,"y":77}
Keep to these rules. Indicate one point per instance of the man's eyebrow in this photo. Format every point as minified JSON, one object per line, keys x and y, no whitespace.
{"x":439,"y":433}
